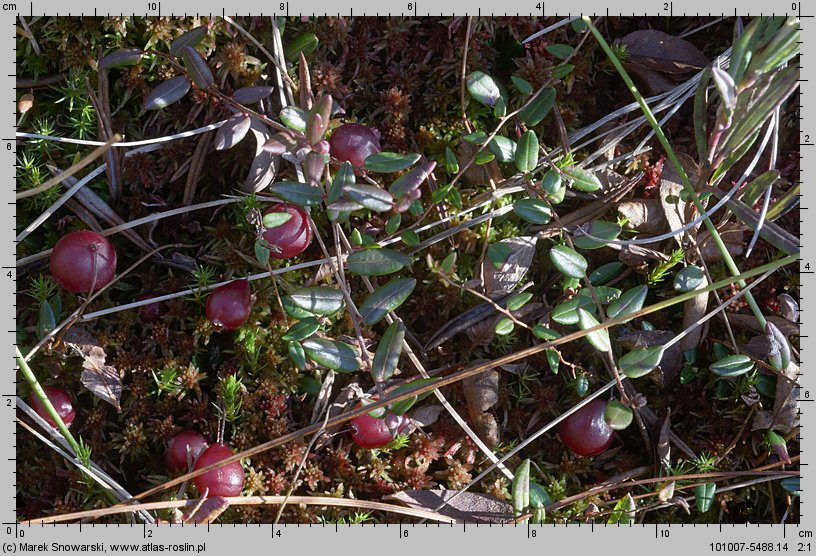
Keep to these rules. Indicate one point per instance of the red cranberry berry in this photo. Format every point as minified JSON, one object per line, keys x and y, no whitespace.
{"x":371,"y":432}
{"x":175,"y":456}
{"x":354,"y":143}
{"x":75,"y":258}
{"x":227,"y":480}
{"x":586,"y":432}
{"x":291,"y":238}
{"x":60,"y":399}
{"x":228,"y":306}
{"x":152,"y":311}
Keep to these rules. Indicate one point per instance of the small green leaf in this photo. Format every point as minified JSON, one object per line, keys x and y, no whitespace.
{"x":388,"y":163}
{"x":640,"y":362}
{"x":604,"y":293}
{"x":689,"y":279}
{"x":605,"y":273}
{"x":504,"y":326}
{"x":121,"y":58}
{"x":483,"y":88}
{"x":629,"y":302}
{"x":527,"y":152}
{"x":410,"y":238}
{"x":297,"y":354}
{"x":451,"y":164}
{"x":370,"y":196}
{"x":47,"y":319}
{"x":553,"y":360}
{"x":388,"y":352}
{"x":624,"y":511}
{"x":522,"y":85}
{"x":567,"y":312}
{"x":294,"y":118}
{"x":518,"y":300}
{"x":568,"y":261}
{"x":483,"y":157}
{"x":262,"y":251}
{"x":305,"y":43}
{"x":704,"y":495}
{"x":521,"y":488}
{"x":448,"y":262}
{"x":503,"y":148}
{"x":200,"y":72}
{"x":293,"y":310}
{"x":539,"y":500}
{"x":376,"y":262}
{"x":500,"y":108}
{"x":617,"y":415}
{"x":275,"y":219}
{"x":386,"y":299}
{"x":342,"y":179}
{"x":538,"y":108}
{"x":597,"y":228}
{"x":400,"y":407}
{"x":302,"y":329}
{"x":320,"y":300}
{"x":393,"y":224}
{"x":334,"y":355}
{"x":733,"y":365}
{"x":560,"y":51}
{"x":167,"y":93}
{"x":543,"y":333}
{"x":551,"y":182}
{"x":296,"y":192}
{"x":476,"y":138}
{"x":582,"y":180}
{"x":560,"y":72}
{"x":792,"y":485}
{"x":600,"y":338}
{"x":535,"y":211}
{"x":192,"y":38}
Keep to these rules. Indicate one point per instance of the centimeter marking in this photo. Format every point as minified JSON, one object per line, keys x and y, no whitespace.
{"x":805,"y":141}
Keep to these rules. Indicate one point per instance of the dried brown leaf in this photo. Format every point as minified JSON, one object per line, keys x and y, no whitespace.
{"x":103,"y":380}
{"x":466,"y":507}
{"x":784,"y":416}
{"x":206,"y":512}
{"x":693,"y":310}
{"x":733,"y":237}
{"x":677,"y":211}
{"x":504,"y":279}
{"x":663,"y":444}
{"x":644,"y":215}
{"x":662,"y":52}
{"x":426,"y":415}
{"x":482,"y":393}
{"x":788,"y":328}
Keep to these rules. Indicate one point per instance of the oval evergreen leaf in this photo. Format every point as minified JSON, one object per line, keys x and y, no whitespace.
{"x":301,"y":330}
{"x":388,"y":162}
{"x":342,"y":179}
{"x":190,"y":38}
{"x":605,"y":273}
{"x":617,"y":415}
{"x":568,"y":261}
{"x":121,"y":58}
{"x":582,"y":180}
{"x":167,"y":93}
{"x":535,"y":211}
{"x":483,"y":88}
{"x":334,"y":355}
{"x":629,"y":302}
{"x":320,"y":300}
{"x":538,"y":108}
{"x":527,"y":152}
{"x":376,"y":262}
{"x":503,"y":149}
{"x":231,"y":133}
{"x":551,"y":182}
{"x":251,"y":95}
{"x":689,"y":279}
{"x":294,"y":117}
{"x":297,"y":354}
{"x":411,"y":181}
{"x":370,"y":196}
{"x":597,"y":228}
{"x":305,"y":43}
{"x":567,"y":312}
{"x":386,"y":299}
{"x":733,"y":365}
{"x":600,"y":338}
{"x":200,"y":72}
{"x":388,"y":352}
{"x":298,"y":193}
{"x":641,"y":361}
{"x":275,"y":219}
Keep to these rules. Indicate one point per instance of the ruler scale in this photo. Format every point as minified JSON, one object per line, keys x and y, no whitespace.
{"x":401,"y":538}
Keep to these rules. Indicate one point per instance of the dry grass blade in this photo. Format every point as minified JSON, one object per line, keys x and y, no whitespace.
{"x":99,"y":151}
{"x":248,"y":501}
